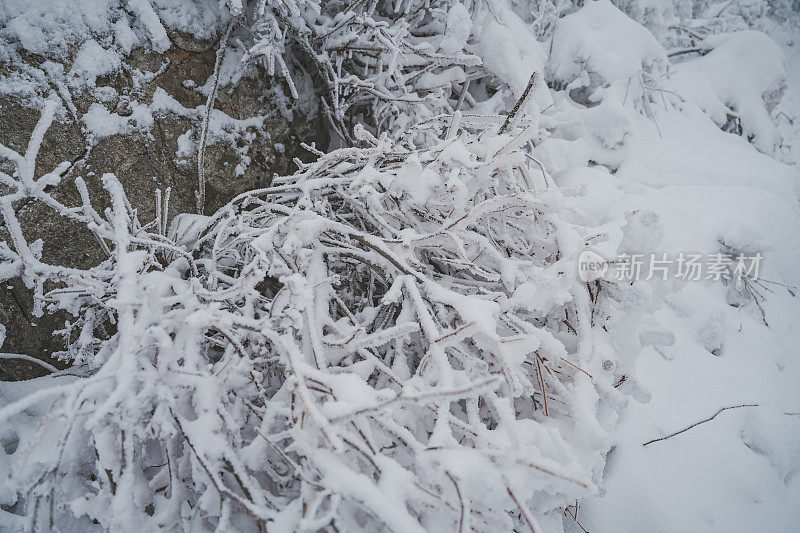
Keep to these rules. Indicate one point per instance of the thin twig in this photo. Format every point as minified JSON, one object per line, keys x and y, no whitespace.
{"x":575,"y":516}
{"x":525,"y":515}
{"x":212,"y":96}
{"x":28,"y":358}
{"x":460,"y":501}
{"x":709,"y":419}
{"x":519,"y":103}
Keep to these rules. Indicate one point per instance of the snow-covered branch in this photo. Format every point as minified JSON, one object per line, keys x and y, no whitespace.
{"x":345,"y":347}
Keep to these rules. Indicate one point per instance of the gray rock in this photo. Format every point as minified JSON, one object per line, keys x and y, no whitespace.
{"x":143,"y":161}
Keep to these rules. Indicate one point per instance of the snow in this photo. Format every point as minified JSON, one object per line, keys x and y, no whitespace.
{"x":396,"y":335}
{"x":52,"y":27}
{"x":602,"y":43}
{"x":457,"y":30}
{"x":509,"y":51}
{"x":144,"y":12}
{"x":743,"y":75}
{"x":200,"y":18}
{"x":702,"y":190}
{"x":91,"y":61}
{"x":100,"y":122}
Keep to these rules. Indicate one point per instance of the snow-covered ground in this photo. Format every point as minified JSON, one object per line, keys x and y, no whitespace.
{"x":652,"y":129}
{"x":737,"y":472}
{"x":709,"y":190}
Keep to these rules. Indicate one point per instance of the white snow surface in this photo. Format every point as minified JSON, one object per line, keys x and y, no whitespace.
{"x":52,"y":27}
{"x":599,"y":44}
{"x":705,"y":190}
{"x":743,"y":75}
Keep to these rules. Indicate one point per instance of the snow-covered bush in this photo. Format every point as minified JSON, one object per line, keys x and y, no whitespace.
{"x":599,"y":45}
{"x":395,"y":337}
{"x":378,"y":62}
{"x":392,"y":337}
{"x":737,"y":83}
{"x":372,"y":62}
{"x":388,"y":65}
{"x":656,"y":15}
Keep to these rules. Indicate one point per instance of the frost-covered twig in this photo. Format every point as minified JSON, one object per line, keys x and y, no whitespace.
{"x":212,"y":96}
{"x":21,"y":357}
{"x":331,"y":350}
{"x":368,"y":65}
{"x":521,"y":101}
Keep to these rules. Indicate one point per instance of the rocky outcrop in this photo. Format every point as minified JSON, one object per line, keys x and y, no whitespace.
{"x":141,"y":122}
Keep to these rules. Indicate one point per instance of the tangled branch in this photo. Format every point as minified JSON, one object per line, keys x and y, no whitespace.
{"x":370,"y":342}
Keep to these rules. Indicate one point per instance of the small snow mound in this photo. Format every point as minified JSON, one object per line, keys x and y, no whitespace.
{"x":510,"y":52}
{"x":92,"y":61}
{"x":50,"y":27}
{"x":741,"y":80}
{"x":100,"y":122}
{"x":774,"y":434}
{"x":598,"y":45}
{"x":459,"y":26}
